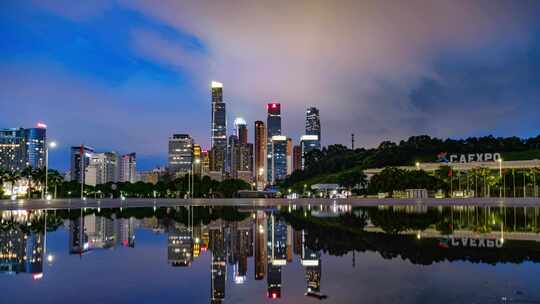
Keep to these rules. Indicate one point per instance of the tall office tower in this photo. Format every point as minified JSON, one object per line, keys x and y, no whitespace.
{"x":102,"y":169}
{"x":240,"y":127}
{"x":197,"y":159}
{"x":126,"y":231}
{"x":260,"y":155}
{"x":313,"y":122}
{"x":180,"y":154}
{"x":273,"y":123}
{"x":297,"y":158}
{"x":279,"y":158}
{"x":80,"y":160}
{"x":308,"y":144}
{"x":13,"y":149}
{"x":245,"y":162}
{"x":289,"y":156}
{"x":232,"y":156}
{"x":128,"y":168}
{"x":36,"y":141}
{"x":205,"y":163}
{"x":78,"y":239}
{"x":20,"y":147}
{"x":219,"y":129}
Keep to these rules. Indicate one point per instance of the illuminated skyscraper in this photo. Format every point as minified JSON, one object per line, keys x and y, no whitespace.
{"x":241,"y":130}
{"x":279,"y":158}
{"x":289,"y":156}
{"x":273,"y":123}
{"x":260,"y":154}
{"x":103,"y":168}
{"x":308,"y":144}
{"x":180,"y":154}
{"x":20,"y":147}
{"x":313,"y":122}
{"x":261,"y":252}
{"x":219,"y":265}
{"x":197,"y":160}
{"x":219,"y":129}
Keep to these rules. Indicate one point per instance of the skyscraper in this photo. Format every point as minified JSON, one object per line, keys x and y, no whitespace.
{"x":308,"y":143}
{"x":260,"y":154}
{"x":128,"y":168}
{"x":102,"y":169}
{"x":279,"y":158}
{"x":20,"y":147}
{"x":289,"y":156}
{"x":80,"y":157}
{"x":241,"y":130}
{"x":197,"y":158}
{"x":180,"y":154}
{"x":273,"y":123}
{"x":36,"y":141}
{"x":219,"y":129}
{"x":297,"y":158}
{"x":313,"y":122}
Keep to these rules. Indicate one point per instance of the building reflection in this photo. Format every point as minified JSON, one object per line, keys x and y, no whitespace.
{"x":417,"y":234}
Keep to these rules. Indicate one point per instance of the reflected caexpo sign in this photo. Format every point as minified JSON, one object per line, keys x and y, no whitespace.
{"x":475,"y":243}
{"x":467,"y":158}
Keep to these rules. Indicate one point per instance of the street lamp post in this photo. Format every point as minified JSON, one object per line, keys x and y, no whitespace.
{"x":50,"y":145}
{"x":500,"y":176}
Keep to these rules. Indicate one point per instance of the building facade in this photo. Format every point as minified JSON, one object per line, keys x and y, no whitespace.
{"x":279,"y":158}
{"x":308,"y":144}
{"x":80,"y":160}
{"x":219,"y":129}
{"x":180,"y":154}
{"x":313,"y":122}
{"x":273,"y":123}
{"x":260,"y":154}
{"x":102,"y":169}
{"x":128,"y":168}
{"x":297,"y":158}
{"x":20,"y":148}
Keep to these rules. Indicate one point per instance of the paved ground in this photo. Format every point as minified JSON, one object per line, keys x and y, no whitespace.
{"x":244,"y":202}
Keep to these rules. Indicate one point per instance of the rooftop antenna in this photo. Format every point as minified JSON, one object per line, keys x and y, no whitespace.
{"x":352,"y":141}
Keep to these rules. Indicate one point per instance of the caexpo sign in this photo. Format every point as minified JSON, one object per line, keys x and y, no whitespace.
{"x":444,"y":157}
{"x":475,"y":243}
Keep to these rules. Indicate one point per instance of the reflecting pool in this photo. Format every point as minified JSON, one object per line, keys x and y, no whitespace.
{"x":271,"y":254}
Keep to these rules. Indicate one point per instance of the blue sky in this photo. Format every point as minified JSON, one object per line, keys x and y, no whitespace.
{"x":124,"y":75}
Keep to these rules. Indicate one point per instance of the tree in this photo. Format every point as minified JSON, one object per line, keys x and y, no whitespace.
{"x":27,"y":173}
{"x":12,"y":177}
{"x":352,"y":179}
{"x":54,"y":180}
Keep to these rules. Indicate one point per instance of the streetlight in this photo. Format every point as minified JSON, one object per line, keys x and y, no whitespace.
{"x":51,"y":145}
{"x":500,"y":175}
{"x":192,"y":178}
{"x":417,"y":165}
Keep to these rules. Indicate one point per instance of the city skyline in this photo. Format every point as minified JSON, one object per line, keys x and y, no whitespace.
{"x":136,"y":68}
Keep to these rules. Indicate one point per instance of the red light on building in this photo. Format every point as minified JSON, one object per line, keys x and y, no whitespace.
{"x":41,"y":125}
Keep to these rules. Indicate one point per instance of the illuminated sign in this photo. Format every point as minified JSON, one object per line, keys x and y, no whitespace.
{"x":444,"y":157}
{"x":41,"y":125}
{"x":475,"y":243}
{"x":309,"y":137}
{"x":216,"y":84}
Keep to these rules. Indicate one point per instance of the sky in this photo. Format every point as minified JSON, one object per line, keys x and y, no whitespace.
{"x":124,"y":75}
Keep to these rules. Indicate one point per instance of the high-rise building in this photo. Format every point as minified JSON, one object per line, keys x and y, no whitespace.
{"x":273,"y":124}
{"x":219,"y":264}
{"x":102,"y":169}
{"x":13,"y":156}
{"x":80,"y":160}
{"x":197,"y":159}
{"x":289,"y":156}
{"x":219,"y":129}
{"x":260,"y":154}
{"x":20,"y":147}
{"x":261,"y":241}
{"x":128,"y":168}
{"x":297,"y":158}
{"x":308,"y":143}
{"x":241,"y":130}
{"x":180,"y":154}
{"x":313,"y":122}
{"x":36,"y":143}
{"x":279,"y":158}
{"x":205,"y":163}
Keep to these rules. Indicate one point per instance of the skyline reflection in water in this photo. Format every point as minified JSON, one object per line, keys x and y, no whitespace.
{"x":290,"y":254}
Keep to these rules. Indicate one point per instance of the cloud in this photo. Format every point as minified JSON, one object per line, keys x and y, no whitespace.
{"x":358,"y":61}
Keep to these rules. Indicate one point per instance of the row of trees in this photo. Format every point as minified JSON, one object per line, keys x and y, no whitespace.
{"x":334,"y":159}
{"x":35,"y":179}
{"x":173,"y":188}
